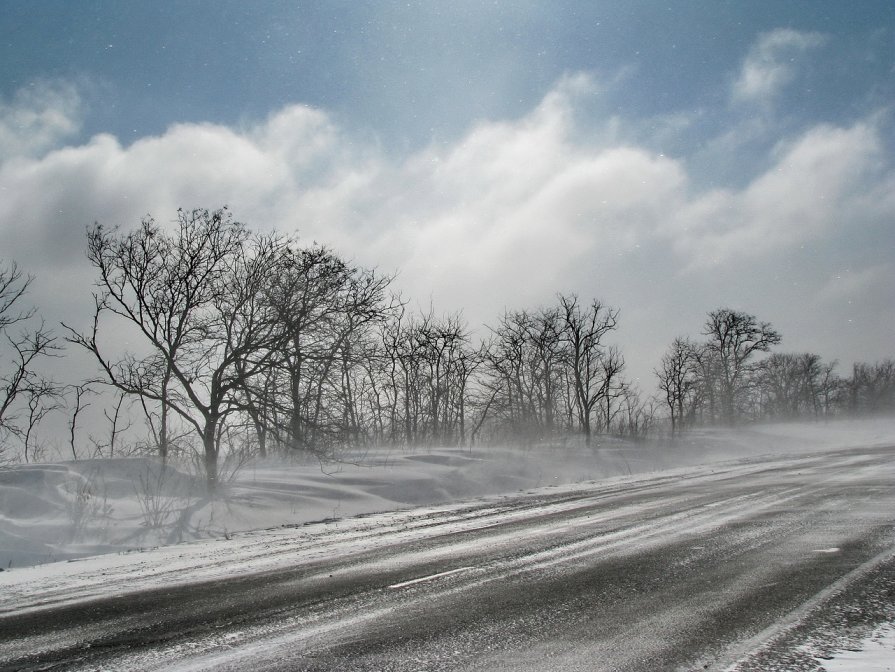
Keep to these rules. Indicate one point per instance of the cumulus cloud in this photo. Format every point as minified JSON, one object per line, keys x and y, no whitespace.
{"x":771,"y":64}
{"x":512,"y":212}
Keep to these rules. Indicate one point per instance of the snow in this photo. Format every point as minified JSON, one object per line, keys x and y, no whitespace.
{"x":876,"y":653}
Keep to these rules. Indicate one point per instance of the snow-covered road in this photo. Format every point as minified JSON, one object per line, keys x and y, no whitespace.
{"x":698,"y":568}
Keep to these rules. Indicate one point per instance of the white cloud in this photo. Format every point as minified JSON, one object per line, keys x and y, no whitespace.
{"x":820,"y":181}
{"x":771,"y":64}
{"x":38,"y":117}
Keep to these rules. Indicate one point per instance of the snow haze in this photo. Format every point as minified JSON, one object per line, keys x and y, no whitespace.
{"x":66,"y":510}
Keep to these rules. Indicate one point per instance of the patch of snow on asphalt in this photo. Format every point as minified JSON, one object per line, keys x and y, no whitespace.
{"x":876,"y":654}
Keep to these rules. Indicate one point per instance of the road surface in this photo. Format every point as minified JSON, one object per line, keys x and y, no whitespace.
{"x":707,"y":568}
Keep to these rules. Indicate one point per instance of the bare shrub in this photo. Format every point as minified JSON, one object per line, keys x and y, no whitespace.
{"x":88,"y":503}
{"x":159,"y":496}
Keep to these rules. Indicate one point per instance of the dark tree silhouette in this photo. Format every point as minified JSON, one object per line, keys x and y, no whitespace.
{"x":194,"y":296}
{"x":678,"y":375}
{"x":734,"y":338}
{"x":25,"y":395}
{"x":595,"y":368}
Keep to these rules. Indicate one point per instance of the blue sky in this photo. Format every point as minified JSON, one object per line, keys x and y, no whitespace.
{"x":667,"y":158}
{"x":408,"y":72}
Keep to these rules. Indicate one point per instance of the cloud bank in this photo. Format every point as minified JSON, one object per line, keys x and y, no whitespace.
{"x":511,"y":213}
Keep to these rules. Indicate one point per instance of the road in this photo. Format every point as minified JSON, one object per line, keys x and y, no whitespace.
{"x":696,"y":569}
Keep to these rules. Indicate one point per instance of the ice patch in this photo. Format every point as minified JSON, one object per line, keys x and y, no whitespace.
{"x":431,"y":577}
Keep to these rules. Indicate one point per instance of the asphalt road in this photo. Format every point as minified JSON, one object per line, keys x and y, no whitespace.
{"x":692,"y":570}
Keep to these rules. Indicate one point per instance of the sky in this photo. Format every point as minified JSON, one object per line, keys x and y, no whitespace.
{"x":665,"y":158}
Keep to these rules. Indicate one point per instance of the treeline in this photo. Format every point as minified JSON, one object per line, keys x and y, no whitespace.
{"x":249,"y":343}
{"x":721,"y":380}
{"x":253,"y":339}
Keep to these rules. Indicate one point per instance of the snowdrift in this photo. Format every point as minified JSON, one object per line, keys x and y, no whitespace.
{"x":67,"y":510}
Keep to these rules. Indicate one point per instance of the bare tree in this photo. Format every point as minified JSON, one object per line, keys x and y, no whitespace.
{"x":545,"y":334}
{"x":734,"y":338}
{"x":325,"y":309}
{"x":508,"y":359}
{"x":829,"y":386}
{"x":706,"y":401}
{"x":613,"y":388}
{"x":79,"y":403}
{"x":447,"y":362}
{"x":527,"y":380}
{"x":636,"y":414}
{"x":42,"y":398}
{"x":118,"y":423}
{"x":26,"y":396}
{"x":390,"y":339}
{"x":594,"y":367}
{"x":678,"y":373}
{"x":871,"y":389}
{"x":194,"y":296}
{"x":410,"y":354}
{"x":792,"y":385}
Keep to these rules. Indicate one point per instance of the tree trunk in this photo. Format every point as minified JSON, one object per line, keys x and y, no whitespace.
{"x":209,"y":443}
{"x":163,"y":421}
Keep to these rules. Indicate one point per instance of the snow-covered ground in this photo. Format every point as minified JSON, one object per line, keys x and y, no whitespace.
{"x":68,"y":510}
